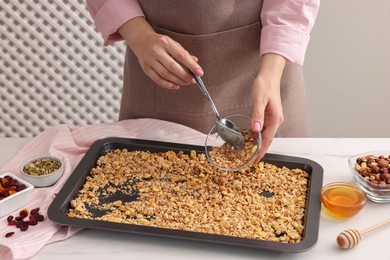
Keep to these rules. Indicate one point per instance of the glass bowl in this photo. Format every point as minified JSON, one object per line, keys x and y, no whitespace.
{"x":370,"y":172}
{"x":225,"y":157}
{"x":342,"y":199}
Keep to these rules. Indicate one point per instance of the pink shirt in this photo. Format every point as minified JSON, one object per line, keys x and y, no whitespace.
{"x":286,"y":23}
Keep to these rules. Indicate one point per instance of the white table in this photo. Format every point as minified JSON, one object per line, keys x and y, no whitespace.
{"x":330,"y":153}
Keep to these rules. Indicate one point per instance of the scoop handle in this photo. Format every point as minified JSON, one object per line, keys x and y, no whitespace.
{"x":202,"y":87}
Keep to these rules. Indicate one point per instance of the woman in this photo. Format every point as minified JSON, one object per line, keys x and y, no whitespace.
{"x":249,"y":54}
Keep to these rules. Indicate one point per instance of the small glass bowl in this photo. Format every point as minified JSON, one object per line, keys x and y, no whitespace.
{"x":42,"y":179}
{"x":376,"y":190}
{"x":225,"y":157}
{"x":342,"y":199}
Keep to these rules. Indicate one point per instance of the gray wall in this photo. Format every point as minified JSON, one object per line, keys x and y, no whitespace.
{"x":347,"y":70}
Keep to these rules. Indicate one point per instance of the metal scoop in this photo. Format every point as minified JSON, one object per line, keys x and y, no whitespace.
{"x":226,"y":129}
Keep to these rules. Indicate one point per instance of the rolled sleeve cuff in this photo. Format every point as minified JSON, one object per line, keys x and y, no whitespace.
{"x":285,"y":41}
{"x":112,"y":15}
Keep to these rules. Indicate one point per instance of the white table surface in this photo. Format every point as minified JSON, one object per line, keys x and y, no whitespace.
{"x":330,"y":153}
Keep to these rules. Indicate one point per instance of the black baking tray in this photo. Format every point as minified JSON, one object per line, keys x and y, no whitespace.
{"x":57,"y":211}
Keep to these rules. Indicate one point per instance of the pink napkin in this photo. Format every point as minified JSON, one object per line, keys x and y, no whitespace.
{"x":70,"y":144}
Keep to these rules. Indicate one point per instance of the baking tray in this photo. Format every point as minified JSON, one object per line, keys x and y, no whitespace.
{"x":57,"y":211}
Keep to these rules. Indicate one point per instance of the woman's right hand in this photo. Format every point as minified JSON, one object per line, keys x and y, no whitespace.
{"x":161,"y":58}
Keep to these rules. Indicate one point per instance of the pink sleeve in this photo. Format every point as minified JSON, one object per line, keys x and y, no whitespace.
{"x":286,"y":27}
{"x":110,"y":15}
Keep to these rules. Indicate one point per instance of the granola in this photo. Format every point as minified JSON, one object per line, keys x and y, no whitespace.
{"x":228,"y":157}
{"x":183,"y":191}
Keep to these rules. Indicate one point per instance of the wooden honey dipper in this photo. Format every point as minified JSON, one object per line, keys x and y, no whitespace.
{"x":351,"y":237}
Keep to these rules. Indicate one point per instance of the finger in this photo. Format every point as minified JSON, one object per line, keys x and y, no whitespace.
{"x":267,"y":136}
{"x":183,"y":56}
{"x":194,"y":58}
{"x":176,"y":69}
{"x":168,"y":75}
{"x":153,"y":75}
{"x":258,"y":116}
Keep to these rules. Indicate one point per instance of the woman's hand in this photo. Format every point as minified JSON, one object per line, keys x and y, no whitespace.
{"x":161,"y":58}
{"x":267,"y":105}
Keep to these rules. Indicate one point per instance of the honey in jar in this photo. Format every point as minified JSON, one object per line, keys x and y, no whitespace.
{"x":342,"y":200}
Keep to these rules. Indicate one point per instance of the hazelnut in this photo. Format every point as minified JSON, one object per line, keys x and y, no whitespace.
{"x":385,"y":176}
{"x":375,"y":169}
{"x":382,"y":163}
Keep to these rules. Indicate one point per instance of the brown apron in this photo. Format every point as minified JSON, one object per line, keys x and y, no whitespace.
{"x":225,"y":36}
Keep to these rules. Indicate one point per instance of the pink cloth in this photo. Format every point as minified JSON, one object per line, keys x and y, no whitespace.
{"x":286,"y":24}
{"x":70,"y":144}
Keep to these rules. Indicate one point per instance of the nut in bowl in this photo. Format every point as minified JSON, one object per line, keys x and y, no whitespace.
{"x":42,"y":171}
{"x":225,"y":157}
{"x":342,"y":200}
{"x":370,"y":172}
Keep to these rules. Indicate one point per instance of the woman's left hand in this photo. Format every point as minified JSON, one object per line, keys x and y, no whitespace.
{"x":266,"y":98}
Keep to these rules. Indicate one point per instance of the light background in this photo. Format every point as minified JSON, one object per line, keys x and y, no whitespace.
{"x":54,"y":70}
{"x":347,"y":70}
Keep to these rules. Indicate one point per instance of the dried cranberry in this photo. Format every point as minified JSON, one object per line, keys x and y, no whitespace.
{"x":40,"y":218}
{"x":33,"y":218}
{"x":13,"y":182}
{"x":12,"y":222}
{"x":34,"y":211}
{"x":33,"y":222}
{"x":9,"y":234}
{"x":7,"y":184}
{"x":36,"y":215}
{"x":21,"y":187}
{"x":24,"y":227}
{"x":23,"y":214}
{"x":10,"y":218}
